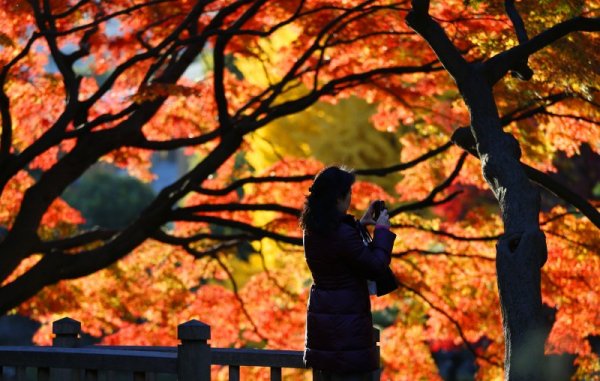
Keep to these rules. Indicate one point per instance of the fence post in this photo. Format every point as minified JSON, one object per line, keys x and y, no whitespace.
{"x":376,"y":342}
{"x":66,"y":333}
{"x":193,"y":354}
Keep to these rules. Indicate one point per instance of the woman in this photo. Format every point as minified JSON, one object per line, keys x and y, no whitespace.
{"x":339,"y":326}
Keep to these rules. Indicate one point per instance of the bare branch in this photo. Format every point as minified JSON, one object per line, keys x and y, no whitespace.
{"x":100,"y":120}
{"x":47,"y":26}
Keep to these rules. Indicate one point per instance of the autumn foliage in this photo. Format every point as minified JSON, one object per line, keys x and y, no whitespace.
{"x":260,"y":95}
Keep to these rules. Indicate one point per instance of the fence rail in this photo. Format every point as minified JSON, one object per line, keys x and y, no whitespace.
{"x":191,"y":360}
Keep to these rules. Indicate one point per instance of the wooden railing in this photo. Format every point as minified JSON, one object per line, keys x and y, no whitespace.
{"x":191,"y":360}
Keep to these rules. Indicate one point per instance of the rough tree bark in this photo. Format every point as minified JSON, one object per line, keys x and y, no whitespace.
{"x":521,"y":251}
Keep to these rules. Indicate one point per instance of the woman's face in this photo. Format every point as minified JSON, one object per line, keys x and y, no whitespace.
{"x":344,"y":203}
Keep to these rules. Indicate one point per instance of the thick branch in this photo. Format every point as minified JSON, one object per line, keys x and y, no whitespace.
{"x":500,"y":64}
{"x":422,"y":23}
{"x":464,"y":139}
{"x":89,"y":148}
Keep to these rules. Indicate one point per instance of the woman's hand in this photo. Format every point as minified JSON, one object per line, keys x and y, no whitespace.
{"x":367,"y":218}
{"x":384,"y":219}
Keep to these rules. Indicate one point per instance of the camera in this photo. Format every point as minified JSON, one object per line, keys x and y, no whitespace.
{"x":378,"y":206}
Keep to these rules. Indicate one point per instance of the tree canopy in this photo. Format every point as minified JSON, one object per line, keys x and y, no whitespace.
{"x":446,"y":110}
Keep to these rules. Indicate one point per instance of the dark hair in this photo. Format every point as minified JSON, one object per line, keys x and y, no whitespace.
{"x":320,"y":214}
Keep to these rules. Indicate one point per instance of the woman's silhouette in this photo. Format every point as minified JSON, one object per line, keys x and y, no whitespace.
{"x":342,"y":258}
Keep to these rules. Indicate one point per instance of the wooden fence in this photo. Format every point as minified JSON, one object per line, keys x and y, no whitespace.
{"x":66,"y":360}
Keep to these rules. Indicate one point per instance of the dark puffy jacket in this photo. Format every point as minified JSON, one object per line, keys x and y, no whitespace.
{"x":339,"y":325}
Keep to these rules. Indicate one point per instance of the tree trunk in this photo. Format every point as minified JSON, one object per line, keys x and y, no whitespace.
{"x":521,"y":252}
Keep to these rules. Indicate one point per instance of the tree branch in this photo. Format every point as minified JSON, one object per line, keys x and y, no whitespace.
{"x":164,"y":237}
{"x":176,"y":143}
{"x":330,"y":88}
{"x":522,"y":70}
{"x":429,"y":200}
{"x":404,"y":253}
{"x":572,"y":116}
{"x":214,"y":250}
{"x":454,"y":322}
{"x":300,"y":178}
{"x":191,"y":210}
{"x":422,"y":23}
{"x":258,"y":232}
{"x":219,"y":64}
{"x":403,"y":166}
{"x":71,"y":10}
{"x":239,"y":298}
{"x":274,"y":91}
{"x":448,"y":234}
{"x":497,"y":66}
{"x":79,"y":240}
{"x":7,"y":126}
{"x":463,"y":138}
